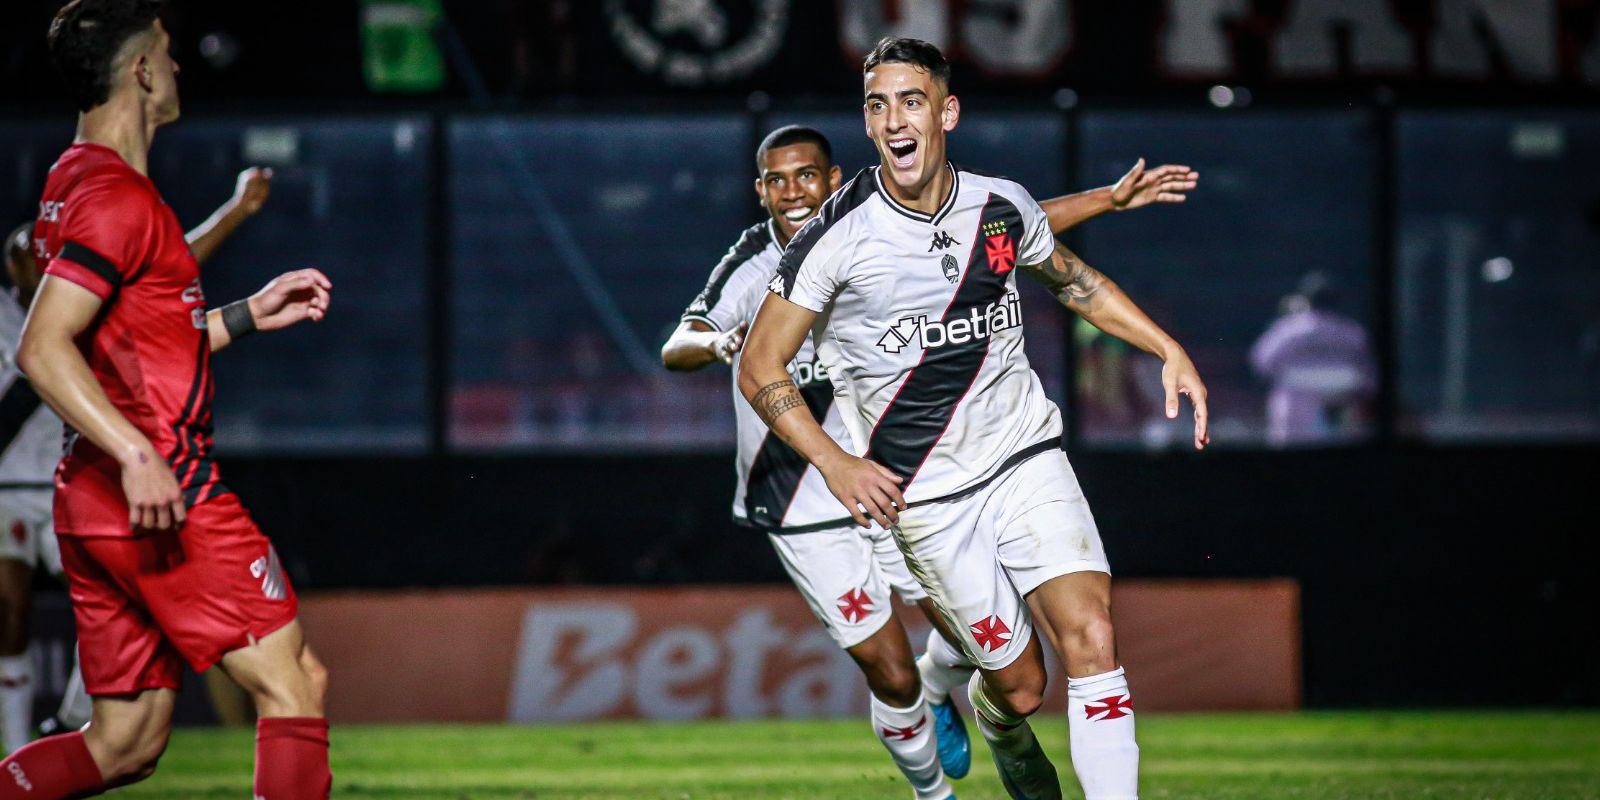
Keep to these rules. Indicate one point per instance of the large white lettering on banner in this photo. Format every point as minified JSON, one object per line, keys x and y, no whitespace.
{"x":1305,"y":41}
{"x":590,"y":660}
{"x":1005,"y":37}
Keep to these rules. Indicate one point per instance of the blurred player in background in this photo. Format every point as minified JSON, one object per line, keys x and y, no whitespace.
{"x":30,"y":447}
{"x":906,"y":282}
{"x":845,"y":573}
{"x":163,"y":562}
{"x":1320,"y":365}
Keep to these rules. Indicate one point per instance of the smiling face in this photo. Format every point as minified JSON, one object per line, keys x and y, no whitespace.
{"x":908,"y":112}
{"x":794,"y":181}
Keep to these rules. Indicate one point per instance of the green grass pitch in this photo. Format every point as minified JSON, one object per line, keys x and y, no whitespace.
{"x":1311,"y":756}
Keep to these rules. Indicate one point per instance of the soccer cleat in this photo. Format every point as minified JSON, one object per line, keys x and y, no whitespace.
{"x":955,"y":749}
{"x":1028,"y":775}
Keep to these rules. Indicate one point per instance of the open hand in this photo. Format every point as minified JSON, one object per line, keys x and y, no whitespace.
{"x":869,"y":491}
{"x":1164,"y":184}
{"x":252,"y":189}
{"x":1179,"y":376}
{"x":290,"y":298}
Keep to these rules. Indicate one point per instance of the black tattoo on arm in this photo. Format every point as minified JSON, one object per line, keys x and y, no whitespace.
{"x":1077,"y":285}
{"x":772,"y":400}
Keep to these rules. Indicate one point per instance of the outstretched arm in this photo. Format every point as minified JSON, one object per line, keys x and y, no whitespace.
{"x":287,"y":299}
{"x":1138,"y":188}
{"x":866,"y":490}
{"x":694,"y":345}
{"x":50,"y":357}
{"x":249,"y":193}
{"x":1102,"y":302}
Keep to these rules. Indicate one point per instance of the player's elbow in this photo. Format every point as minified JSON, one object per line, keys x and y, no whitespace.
{"x":29,"y":359}
{"x":675,"y":357}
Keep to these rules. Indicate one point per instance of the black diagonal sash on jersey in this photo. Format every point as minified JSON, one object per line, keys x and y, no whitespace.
{"x":776,"y":472}
{"x":920,"y":412}
{"x":18,"y":404}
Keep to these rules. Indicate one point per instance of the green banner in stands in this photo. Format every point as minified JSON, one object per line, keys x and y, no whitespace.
{"x":399,"y":50}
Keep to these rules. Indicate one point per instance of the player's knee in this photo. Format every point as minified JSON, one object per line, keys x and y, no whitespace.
{"x":897,"y":684}
{"x":317,"y":676}
{"x":1026,"y":698}
{"x":1093,"y":634}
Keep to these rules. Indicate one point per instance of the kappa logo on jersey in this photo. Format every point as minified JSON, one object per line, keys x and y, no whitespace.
{"x":997,"y":246}
{"x":776,"y":287}
{"x":50,"y":210}
{"x":990,"y":633}
{"x":941,"y":240}
{"x":1114,"y":707}
{"x":854,"y":605}
{"x":270,"y":573}
{"x":952,"y":270}
{"x":981,"y":323}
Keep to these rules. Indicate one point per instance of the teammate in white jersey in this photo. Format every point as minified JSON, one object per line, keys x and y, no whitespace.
{"x":30,"y":448}
{"x":906,"y":280}
{"x":844,"y":574}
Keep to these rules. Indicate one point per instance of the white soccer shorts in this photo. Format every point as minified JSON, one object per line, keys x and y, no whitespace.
{"x":27,"y":529}
{"x":979,"y":556}
{"x":846,"y":575}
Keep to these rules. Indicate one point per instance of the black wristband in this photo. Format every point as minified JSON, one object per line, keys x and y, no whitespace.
{"x":237,"y":320}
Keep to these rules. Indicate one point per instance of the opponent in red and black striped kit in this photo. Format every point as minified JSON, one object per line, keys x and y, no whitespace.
{"x":164,"y":564}
{"x":906,"y":281}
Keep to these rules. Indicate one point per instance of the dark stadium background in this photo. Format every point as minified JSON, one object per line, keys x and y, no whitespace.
{"x":1449,"y":544}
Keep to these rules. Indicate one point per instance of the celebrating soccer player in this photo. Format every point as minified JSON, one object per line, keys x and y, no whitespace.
{"x":844,"y":574}
{"x":164,"y":563}
{"x":961,"y":448}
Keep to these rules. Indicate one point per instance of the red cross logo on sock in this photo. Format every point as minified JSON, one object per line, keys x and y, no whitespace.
{"x":991,"y":633}
{"x":1113,"y":707}
{"x":854,"y":605}
{"x":905,"y":734}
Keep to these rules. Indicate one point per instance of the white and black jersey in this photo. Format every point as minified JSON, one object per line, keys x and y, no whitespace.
{"x":920,"y":325}
{"x":30,"y":433}
{"x":778,"y":491}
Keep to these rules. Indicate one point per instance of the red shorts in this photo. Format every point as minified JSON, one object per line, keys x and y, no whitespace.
{"x":146,"y":604}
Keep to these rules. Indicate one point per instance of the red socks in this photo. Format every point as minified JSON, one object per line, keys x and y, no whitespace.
{"x":291,"y":759}
{"x":52,"y":768}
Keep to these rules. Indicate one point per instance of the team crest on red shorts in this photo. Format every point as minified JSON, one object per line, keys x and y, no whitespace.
{"x":991,"y":633}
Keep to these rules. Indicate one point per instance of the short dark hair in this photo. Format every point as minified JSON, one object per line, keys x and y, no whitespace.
{"x":792,"y":135}
{"x":917,"y":53}
{"x":86,"y":36}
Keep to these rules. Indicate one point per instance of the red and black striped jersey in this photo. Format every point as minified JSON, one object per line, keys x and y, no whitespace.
{"x":104,"y":227}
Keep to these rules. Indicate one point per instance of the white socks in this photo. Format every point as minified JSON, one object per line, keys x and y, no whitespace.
{"x":1104,"y":753}
{"x":943,"y":668}
{"x":16,"y":700}
{"x":908,"y":735}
